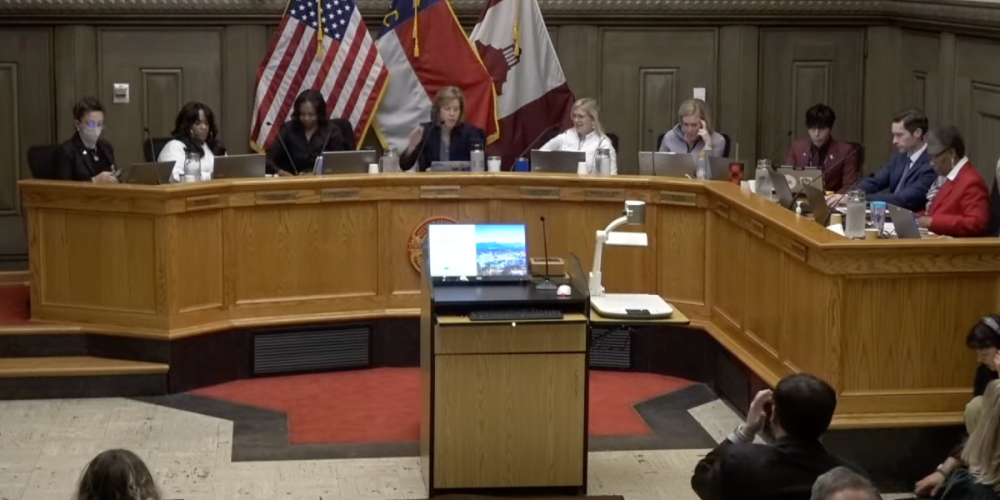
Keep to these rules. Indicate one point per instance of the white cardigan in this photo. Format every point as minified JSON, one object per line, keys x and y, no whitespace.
{"x":174,"y":151}
{"x":570,"y":141}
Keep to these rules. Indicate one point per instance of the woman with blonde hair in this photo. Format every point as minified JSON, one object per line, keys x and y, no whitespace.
{"x":694,"y":133}
{"x":447,"y":137}
{"x":587,"y":135}
{"x":981,"y":480}
{"x":117,"y":475}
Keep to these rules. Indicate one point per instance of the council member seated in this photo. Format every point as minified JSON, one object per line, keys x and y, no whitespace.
{"x":195,"y":132}
{"x":905,"y":179}
{"x":694,"y":132}
{"x":446,"y":138}
{"x":587,"y":135}
{"x":86,"y":156}
{"x":307,"y":135}
{"x":962,"y":207}
{"x":838,"y":160}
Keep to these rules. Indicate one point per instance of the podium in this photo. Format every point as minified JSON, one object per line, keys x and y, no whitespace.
{"x":503,"y":404}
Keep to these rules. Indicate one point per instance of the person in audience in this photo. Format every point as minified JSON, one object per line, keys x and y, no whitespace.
{"x":86,"y":156}
{"x":447,"y":137}
{"x":842,"y":483}
{"x":838,"y":160}
{"x":984,"y":339}
{"x":307,"y":135}
{"x":905,"y":179}
{"x":798,"y":412}
{"x":962,"y":207}
{"x":587,"y":135}
{"x":694,"y":133}
{"x":117,"y":475}
{"x":195,"y":133}
{"x":981,"y":479}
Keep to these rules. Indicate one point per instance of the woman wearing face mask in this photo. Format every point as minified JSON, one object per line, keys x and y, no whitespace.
{"x":307,"y":135}
{"x":86,"y":157}
{"x":587,"y":135}
{"x":961,"y":208}
{"x":195,"y":132}
{"x":447,"y":138}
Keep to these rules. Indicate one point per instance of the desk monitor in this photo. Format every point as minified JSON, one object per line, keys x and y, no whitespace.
{"x":556,"y":162}
{"x":477,"y":252}
{"x":344,"y":162}
{"x":147,"y":173}
{"x":646,"y":163}
{"x":674,"y":165}
{"x":451,"y":166}
{"x":802,"y":176}
{"x":239,"y":166}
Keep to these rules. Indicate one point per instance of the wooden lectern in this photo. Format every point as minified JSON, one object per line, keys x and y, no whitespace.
{"x":503,"y":404}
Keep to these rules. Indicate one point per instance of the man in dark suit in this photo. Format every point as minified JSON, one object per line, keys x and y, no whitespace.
{"x":905,"y":179}
{"x":838,"y":160}
{"x":86,"y":156}
{"x":799,"y":412}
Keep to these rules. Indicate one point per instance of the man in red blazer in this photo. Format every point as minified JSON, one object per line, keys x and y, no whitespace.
{"x":962,"y":207}
{"x":838,"y":160}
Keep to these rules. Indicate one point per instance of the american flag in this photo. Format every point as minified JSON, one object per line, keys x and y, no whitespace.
{"x":322,"y":45}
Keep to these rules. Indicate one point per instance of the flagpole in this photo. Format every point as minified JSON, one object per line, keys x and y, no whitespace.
{"x":319,"y":35}
{"x":416,"y":28}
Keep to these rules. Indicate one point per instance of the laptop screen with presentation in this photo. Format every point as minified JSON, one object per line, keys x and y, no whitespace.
{"x":477,"y":252}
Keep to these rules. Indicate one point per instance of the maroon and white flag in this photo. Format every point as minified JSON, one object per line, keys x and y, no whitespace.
{"x":532,"y":96}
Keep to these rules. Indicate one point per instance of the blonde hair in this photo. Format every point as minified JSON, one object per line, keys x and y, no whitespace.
{"x":696,"y":107}
{"x":589,"y":105}
{"x":442,"y":97}
{"x":982,"y":450}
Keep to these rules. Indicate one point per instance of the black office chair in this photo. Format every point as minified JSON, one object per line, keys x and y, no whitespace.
{"x":41,"y":161}
{"x":993,"y":229}
{"x":729,"y":145}
{"x":153,"y":146}
{"x":860,"y":153}
{"x":346,"y":129}
{"x":614,"y":141}
{"x":659,"y":141}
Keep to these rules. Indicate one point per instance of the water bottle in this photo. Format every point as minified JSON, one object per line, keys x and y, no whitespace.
{"x":763,"y":178}
{"x":522,"y":165}
{"x":701,"y":166}
{"x":603,"y":161}
{"x":389,"y":162}
{"x":478,"y":157}
{"x":878,"y":216}
{"x":855,"y":223}
{"x":192,"y":168}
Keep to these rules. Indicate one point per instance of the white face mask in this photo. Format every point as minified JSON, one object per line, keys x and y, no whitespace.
{"x":89,"y":135}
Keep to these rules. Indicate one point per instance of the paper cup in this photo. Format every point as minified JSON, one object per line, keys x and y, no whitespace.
{"x":493,"y":164}
{"x":871,"y":234}
{"x":581,"y":168}
{"x":373,"y":168}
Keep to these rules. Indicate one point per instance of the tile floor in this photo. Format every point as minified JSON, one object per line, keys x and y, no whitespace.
{"x":45,"y":444}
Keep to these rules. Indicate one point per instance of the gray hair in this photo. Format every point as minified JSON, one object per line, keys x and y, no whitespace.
{"x":841,"y":479}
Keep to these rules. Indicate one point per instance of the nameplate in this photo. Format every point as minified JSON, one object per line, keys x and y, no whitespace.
{"x":203,"y":202}
{"x":340,"y":194}
{"x":604,"y":194}
{"x":440,"y":191}
{"x":540,"y":193}
{"x":277,"y":197}
{"x":678,"y":198}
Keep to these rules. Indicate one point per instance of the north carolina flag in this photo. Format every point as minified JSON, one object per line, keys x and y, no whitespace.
{"x":532,"y":96}
{"x":423,"y":54}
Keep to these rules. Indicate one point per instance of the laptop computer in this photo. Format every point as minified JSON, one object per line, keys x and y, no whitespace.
{"x":781,"y":189}
{"x":905,"y":222}
{"x":239,"y":166}
{"x":556,"y":162}
{"x":817,"y":204}
{"x":344,"y":162}
{"x":451,"y":166}
{"x":674,"y":165}
{"x":799,"y":176}
{"x":146,"y":173}
{"x":718,"y":168}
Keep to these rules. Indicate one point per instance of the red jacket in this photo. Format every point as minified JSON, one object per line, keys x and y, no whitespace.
{"x":962,"y":207}
{"x":840,"y":164}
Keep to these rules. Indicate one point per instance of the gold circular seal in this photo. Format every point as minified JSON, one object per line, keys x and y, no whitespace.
{"x":415,"y":245}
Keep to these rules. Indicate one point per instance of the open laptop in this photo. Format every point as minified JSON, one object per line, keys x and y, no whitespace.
{"x":904,"y":221}
{"x":146,"y":173}
{"x":344,"y":162}
{"x":451,"y":166}
{"x":780,"y":184}
{"x":817,"y":204}
{"x":556,"y":162}
{"x":239,"y":166}
{"x":674,"y":165}
{"x":802,"y":176}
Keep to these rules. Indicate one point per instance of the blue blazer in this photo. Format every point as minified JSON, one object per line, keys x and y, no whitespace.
{"x":915,"y":183}
{"x":463,"y":137}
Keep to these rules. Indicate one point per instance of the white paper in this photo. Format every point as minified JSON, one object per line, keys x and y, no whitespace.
{"x":699,"y":93}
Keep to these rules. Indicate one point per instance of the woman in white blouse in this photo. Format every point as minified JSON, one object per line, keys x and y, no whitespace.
{"x":194,"y":132}
{"x":587,"y":135}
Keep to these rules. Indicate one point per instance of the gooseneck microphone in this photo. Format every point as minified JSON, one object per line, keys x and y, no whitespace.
{"x":285,"y":147}
{"x":546,"y":283}
{"x":535,"y":141}
{"x":833,"y":206}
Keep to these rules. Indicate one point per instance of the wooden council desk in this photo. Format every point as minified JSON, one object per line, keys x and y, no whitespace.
{"x":883,"y":321}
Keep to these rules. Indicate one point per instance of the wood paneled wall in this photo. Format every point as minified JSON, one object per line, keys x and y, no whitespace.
{"x":759,"y":78}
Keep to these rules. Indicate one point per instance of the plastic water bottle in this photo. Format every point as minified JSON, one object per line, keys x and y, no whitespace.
{"x":701,"y":167}
{"x":854,"y":226}
{"x":192,"y":168}
{"x":389,"y":162}
{"x":478,"y":158}
{"x":603,"y":161}
{"x":763,"y":178}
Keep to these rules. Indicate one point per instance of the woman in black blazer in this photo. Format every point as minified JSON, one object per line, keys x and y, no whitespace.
{"x":306,"y":136}
{"x":85,"y":156}
{"x":447,"y":138}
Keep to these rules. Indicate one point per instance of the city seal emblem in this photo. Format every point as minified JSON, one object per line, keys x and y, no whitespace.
{"x":415,"y":245}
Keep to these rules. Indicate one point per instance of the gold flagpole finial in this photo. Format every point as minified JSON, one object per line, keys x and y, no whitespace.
{"x":517,"y":28}
{"x":416,"y":28}
{"x":319,"y":32}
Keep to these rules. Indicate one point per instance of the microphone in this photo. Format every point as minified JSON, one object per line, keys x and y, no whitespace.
{"x":427,"y":132}
{"x":546,"y":284}
{"x":534,"y":142}
{"x":285,"y":147}
{"x":326,"y":141}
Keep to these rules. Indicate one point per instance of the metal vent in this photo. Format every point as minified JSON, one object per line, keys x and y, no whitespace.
{"x":610,"y":348}
{"x":311,"y":350}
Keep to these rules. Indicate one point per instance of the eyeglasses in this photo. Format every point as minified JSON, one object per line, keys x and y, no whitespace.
{"x":93,"y":124}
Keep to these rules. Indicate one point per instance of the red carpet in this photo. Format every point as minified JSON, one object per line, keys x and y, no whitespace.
{"x":382,"y":405}
{"x":14,"y":305}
